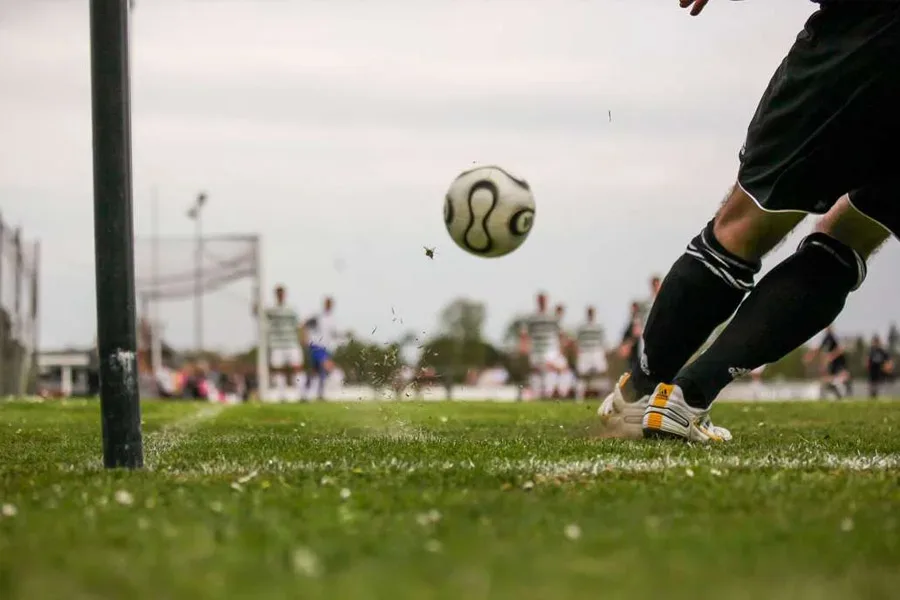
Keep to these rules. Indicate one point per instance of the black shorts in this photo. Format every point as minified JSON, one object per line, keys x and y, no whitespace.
{"x":838,"y":365}
{"x":828,"y":124}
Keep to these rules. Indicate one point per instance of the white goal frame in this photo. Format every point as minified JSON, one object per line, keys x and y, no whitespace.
{"x":153,"y":288}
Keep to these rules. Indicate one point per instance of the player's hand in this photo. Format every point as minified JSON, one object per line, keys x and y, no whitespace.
{"x":696,"y":6}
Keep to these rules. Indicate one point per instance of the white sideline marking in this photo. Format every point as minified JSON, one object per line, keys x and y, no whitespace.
{"x":171,"y":436}
{"x":556,"y":468}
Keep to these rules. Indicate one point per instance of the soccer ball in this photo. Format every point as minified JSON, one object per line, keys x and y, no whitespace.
{"x":488,"y":211}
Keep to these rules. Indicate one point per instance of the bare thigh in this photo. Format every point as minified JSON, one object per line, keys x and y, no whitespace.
{"x":747,"y":231}
{"x":852,"y":228}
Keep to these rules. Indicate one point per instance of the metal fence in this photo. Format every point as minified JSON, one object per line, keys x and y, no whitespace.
{"x":19,"y":261}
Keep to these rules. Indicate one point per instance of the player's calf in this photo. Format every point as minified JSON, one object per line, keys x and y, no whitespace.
{"x":705,"y":286}
{"x":536,"y":384}
{"x":794,"y":301}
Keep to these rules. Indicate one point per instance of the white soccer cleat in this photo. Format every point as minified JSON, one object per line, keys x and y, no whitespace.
{"x":620,"y":417}
{"x":668,"y":415}
{"x":723,"y":433}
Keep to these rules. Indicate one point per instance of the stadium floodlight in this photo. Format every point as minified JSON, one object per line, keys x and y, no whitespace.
{"x":194,"y":213}
{"x":113,"y":235}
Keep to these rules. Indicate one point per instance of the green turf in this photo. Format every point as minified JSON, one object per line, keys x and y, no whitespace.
{"x":449,"y":500}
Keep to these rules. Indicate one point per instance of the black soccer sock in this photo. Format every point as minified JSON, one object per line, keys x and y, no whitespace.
{"x":701,"y":290}
{"x":797,"y":299}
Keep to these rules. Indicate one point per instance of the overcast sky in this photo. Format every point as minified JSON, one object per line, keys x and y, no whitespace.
{"x":332,"y":128}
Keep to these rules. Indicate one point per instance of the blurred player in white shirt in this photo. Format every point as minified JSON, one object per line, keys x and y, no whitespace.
{"x":591,"y":363}
{"x":322,"y":337}
{"x":541,"y":343}
{"x":285,"y":352}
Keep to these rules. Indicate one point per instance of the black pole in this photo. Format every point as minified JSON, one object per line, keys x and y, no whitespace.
{"x":114,"y":236}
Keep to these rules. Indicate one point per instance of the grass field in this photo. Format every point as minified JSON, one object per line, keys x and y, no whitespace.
{"x":442,"y":500}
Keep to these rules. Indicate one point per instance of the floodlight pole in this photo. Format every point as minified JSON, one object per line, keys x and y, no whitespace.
{"x":114,"y":235}
{"x":155,"y":323}
{"x":195,"y":213}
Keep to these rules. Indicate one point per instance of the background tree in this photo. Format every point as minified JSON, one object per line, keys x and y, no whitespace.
{"x":460,"y":344}
{"x":367,"y":363}
{"x":790,"y":367}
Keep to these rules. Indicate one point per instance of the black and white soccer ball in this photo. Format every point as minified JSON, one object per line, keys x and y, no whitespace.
{"x":488,"y":211}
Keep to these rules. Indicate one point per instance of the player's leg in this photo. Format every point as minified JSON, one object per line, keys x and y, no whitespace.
{"x":302,"y":381}
{"x":277,"y":363}
{"x":835,"y":383}
{"x":294,"y":357}
{"x":567,"y":383}
{"x":598,"y":369}
{"x":535,"y":377}
{"x":826,"y":124}
{"x":536,"y":386}
{"x":325,"y":366}
{"x":561,"y":384}
{"x":549,"y":379}
{"x":846,"y":380}
{"x":705,"y":286}
{"x":830,"y":387}
{"x":291,"y":391}
{"x":582,"y":386}
{"x":582,"y":377}
{"x":563,"y":376}
{"x":794,"y":301}
{"x":702,"y":289}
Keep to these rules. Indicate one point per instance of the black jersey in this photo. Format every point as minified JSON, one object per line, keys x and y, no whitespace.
{"x":836,"y":362}
{"x":878,"y":359}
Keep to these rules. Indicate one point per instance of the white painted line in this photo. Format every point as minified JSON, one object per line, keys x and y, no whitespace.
{"x":555,"y":468}
{"x":167,"y":440}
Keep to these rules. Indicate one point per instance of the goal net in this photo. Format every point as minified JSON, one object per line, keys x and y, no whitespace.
{"x":19,"y":261}
{"x":197,"y":301}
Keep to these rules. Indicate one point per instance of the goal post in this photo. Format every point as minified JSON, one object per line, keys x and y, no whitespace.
{"x":214,"y":279}
{"x":120,"y":410}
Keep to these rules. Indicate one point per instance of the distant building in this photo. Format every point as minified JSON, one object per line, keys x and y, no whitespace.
{"x":65,"y":373}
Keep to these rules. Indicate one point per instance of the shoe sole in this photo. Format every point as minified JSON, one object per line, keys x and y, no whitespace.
{"x":661,"y":434}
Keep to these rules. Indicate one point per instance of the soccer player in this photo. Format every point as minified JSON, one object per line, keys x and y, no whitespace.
{"x":893,"y":340}
{"x":879,"y":367}
{"x":285,"y":353}
{"x":565,"y":384}
{"x":543,"y":348}
{"x":321,"y":335}
{"x":644,"y":307}
{"x":631,"y":337}
{"x":836,"y":376}
{"x":823,"y":140}
{"x":591,"y":363}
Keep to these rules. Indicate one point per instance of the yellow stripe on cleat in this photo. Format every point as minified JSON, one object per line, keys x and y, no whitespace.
{"x":662,"y":395}
{"x":654,"y":421}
